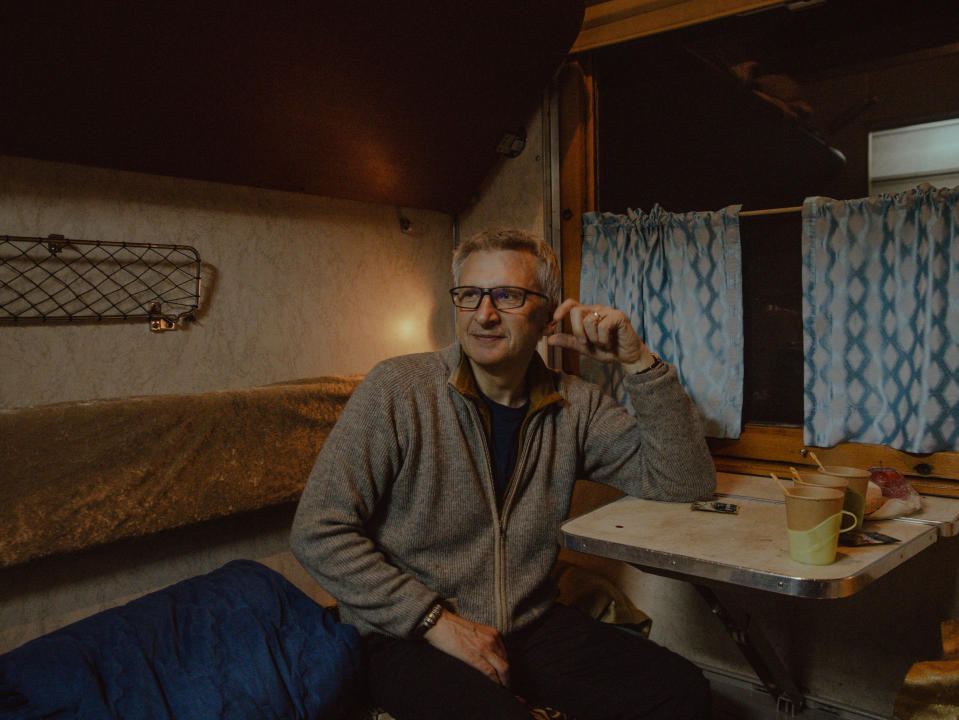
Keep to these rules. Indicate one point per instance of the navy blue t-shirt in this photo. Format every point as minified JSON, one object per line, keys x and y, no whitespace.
{"x":505,"y":422}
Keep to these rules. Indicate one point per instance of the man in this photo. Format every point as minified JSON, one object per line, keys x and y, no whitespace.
{"x":432,"y":512}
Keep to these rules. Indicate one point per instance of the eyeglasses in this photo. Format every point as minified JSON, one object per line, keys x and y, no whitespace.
{"x":469,"y":297}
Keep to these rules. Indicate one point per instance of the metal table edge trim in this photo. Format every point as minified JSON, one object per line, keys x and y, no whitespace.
{"x":701,"y":571}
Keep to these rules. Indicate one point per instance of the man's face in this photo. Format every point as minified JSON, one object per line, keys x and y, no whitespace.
{"x":501,"y":341}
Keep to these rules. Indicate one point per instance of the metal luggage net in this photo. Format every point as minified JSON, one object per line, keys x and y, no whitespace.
{"x":55,"y":279}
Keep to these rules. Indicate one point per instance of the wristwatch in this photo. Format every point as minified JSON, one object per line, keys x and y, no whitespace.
{"x":429,"y":620}
{"x":657,"y":361}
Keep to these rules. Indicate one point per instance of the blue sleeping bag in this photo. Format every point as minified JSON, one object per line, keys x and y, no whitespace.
{"x":240,"y":642}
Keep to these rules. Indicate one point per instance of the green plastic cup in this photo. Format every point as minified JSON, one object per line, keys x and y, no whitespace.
{"x":851,"y":481}
{"x":817,"y":545}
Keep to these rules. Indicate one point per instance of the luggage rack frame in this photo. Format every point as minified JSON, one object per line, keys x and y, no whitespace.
{"x":56,"y":279}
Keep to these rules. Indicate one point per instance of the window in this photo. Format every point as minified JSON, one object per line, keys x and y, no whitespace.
{"x":904,"y":157}
{"x":856,"y":95}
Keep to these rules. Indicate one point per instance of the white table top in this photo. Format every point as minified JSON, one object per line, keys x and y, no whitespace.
{"x":750,"y":548}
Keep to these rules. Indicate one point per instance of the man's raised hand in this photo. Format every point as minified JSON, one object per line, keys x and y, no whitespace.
{"x":602,"y":333}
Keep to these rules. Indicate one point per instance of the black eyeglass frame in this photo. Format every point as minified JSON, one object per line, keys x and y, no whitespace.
{"x":489,"y":291}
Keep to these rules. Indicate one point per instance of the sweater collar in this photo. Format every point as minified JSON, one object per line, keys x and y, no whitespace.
{"x":540,"y":380}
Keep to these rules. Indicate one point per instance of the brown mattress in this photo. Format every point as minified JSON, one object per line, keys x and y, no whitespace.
{"x":80,"y":474}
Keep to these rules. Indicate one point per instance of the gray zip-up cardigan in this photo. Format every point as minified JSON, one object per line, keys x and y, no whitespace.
{"x":399,"y":510}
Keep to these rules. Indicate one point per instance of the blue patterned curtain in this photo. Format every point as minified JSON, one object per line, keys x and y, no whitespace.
{"x":881,"y":320}
{"x":678,"y":277}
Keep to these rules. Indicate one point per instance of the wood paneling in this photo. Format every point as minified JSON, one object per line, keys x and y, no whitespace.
{"x":763,"y":448}
{"x":616,"y":21}
{"x":577,"y":140}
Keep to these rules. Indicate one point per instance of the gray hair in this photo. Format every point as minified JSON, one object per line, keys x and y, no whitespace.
{"x":547,"y":266}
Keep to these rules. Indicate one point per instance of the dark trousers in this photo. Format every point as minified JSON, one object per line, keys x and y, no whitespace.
{"x":565,"y":660}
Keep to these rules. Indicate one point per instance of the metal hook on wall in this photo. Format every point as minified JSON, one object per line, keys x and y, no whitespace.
{"x":406,"y":225}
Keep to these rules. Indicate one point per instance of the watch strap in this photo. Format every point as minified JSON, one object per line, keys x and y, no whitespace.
{"x":657,"y":361}
{"x":429,"y":620}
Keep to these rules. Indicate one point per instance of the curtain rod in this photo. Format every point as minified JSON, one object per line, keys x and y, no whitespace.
{"x":771,"y":211}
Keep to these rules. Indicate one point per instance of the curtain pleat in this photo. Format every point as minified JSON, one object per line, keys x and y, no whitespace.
{"x":678,"y":278}
{"x":881,"y":320}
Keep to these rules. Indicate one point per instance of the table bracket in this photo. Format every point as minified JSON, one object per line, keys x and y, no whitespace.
{"x":759,"y":653}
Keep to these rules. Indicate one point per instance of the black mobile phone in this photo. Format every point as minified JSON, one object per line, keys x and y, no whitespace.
{"x":715,"y":506}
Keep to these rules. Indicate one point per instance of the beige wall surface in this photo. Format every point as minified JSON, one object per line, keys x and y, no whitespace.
{"x":512,"y":194}
{"x":294,"y":286}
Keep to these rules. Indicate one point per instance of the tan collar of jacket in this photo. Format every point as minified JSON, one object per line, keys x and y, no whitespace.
{"x":540,"y":380}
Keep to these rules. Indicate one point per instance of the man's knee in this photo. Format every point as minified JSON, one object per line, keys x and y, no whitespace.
{"x":594,"y":670}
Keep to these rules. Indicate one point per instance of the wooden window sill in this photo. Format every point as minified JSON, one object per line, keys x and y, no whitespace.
{"x":762,"y":449}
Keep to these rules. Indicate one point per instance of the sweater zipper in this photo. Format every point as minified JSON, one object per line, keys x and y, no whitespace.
{"x":499,"y":552}
{"x":499,"y":520}
{"x":518,"y":470}
{"x":507,"y":506}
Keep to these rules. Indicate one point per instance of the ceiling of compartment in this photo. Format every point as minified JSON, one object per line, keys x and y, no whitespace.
{"x":400,"y":103}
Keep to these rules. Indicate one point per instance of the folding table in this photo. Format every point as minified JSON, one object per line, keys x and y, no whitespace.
{"x":749,"y":549}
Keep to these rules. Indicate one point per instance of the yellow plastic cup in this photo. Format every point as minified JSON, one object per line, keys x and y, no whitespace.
{"x":814,"y":516}
{"x":818,"y":545}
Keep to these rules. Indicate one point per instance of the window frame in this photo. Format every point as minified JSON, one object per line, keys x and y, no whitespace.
{"x":893,"y":169}
{"x":760,"y":449}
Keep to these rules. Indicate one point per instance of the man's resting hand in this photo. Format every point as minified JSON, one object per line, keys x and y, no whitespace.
{"x":479,"y":646}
